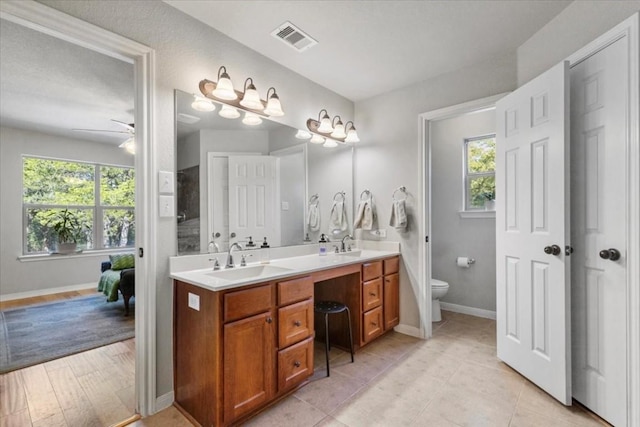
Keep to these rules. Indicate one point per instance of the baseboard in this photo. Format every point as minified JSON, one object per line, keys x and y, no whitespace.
{"x":49,"y":291}
{"x":164,"y":401}
{"x":472,"y":311}
{"x":409,"y":330}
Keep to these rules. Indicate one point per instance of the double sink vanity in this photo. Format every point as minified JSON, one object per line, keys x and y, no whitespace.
{"x":243,"y":336}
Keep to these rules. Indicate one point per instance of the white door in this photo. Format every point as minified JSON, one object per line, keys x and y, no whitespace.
{"x":252,"y":198}
{"x":599,"y":91}
{"x":532,"y":271}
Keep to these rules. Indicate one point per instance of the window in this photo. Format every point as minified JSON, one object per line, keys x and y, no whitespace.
{"x":479,"y":171}
{"x":100,"y":197}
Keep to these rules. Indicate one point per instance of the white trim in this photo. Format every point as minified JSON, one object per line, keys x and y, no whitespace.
{"x":471,"y":311}
{"x":100,"y":253}
{"x":477,"y":214}
{"x":409,"y":330}
{"x":164,"y":401}
{"x":424,"y":221}
{"x":628,"y":28}
{"x":55,"y":23}
{"x":49,"y":291}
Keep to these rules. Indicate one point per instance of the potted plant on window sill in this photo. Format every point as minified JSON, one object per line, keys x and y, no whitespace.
{"x":66,"y":225}
{"x":489,"y":201}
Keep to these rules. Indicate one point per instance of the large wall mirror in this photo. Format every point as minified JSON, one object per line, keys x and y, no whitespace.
{"x":236,"y":181}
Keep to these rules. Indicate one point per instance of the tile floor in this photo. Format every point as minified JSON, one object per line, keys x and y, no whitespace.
{"x":453,"y":379}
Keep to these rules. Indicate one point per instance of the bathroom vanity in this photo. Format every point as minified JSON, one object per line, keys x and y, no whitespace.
{"x":243,"y":338}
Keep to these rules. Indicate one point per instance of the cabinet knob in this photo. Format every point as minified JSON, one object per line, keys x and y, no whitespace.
{"x":297,"y":323}
{"x":296,"y":364}
{"x":269,"y":320}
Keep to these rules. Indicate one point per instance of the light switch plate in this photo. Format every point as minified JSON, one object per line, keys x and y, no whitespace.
{"x":165,"y":182}
{"x":285,"y":206}
{"x":194,"y":301}
{"x":166,"y":207}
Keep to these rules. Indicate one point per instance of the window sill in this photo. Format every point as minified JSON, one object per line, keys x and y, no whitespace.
{"x":479,"y":214}
{"x":101,"y":253}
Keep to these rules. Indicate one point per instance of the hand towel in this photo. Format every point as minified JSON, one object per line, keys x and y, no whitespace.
{"x":364,"y":216}
{"x":338,"y":219}
{"x":313,"y":217}
{"x":398,"y":215}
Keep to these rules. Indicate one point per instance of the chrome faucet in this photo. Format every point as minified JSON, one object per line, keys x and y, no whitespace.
{"x":342,"y":246}
{"x":230,"y":264}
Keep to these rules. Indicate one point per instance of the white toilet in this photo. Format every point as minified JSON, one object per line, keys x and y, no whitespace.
{"x":438,"y":290}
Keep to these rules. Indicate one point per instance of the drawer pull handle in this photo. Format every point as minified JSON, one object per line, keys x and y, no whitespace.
{"x":296,"y":364}
{"x":374,"y":323}
{"x":372,"y":294}
{"x":297,"y":323}
{"x":269,"y":320}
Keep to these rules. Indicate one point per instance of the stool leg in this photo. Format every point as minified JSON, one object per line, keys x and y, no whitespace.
{"x":326,"y":340}
{"x":350,"y":333}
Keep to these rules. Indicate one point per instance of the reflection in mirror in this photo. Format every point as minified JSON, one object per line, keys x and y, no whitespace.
{"x":241,"y":183}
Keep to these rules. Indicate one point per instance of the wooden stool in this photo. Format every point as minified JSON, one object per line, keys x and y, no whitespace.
{"x":327,"y":308}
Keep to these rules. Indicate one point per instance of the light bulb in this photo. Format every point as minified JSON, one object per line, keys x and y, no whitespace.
{"x":251,"y":119}
{"x":251,"y":98}
{"x":330,"y":143}
{"x":325,"y":125}
{"x":317,"y":139}
{"x":352,"y":136}
{"x":229,"y":112}
{"x":202,"y":104}
{"x":224,"y":89}
{"x":273,"y":106}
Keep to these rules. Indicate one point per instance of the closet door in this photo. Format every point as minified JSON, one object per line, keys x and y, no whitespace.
{"x":533,"y":275}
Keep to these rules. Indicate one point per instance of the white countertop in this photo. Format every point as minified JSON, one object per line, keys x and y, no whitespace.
{"x":276,"y":269}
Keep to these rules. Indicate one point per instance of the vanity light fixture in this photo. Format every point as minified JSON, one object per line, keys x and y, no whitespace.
{"x":251,"y":119}
{"x":201,"y":103}
{"x":330,"y":143}
{"x":302,"y":134}
{"x":251,"y":99}
{"x":224,"y":87}
{"x":317,"y":139}
{"x":273,"y":104}
{"x":333,"y":129}
{"x":228,"y":112}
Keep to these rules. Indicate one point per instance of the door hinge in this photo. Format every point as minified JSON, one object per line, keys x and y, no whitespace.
{"x":140,"y":252}
{"x":568,"y":250}
{"x":426,"y":239}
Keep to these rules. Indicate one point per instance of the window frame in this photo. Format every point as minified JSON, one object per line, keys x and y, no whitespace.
{"x":467,"y":177}
{"x":97,"y":208}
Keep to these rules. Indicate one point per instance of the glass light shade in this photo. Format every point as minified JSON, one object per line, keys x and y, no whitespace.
{"x":330,"y":143}
{"x":202,"y":104}
{"x":251,"y":119}
{"x":338,"y":131}
{"x":317,"y":139}
{"x":224,"y":89}
{"x":303,"y":134}
{"x":229,"y":112}
{"x":352,"y":136}
{"x":251,"y":99}
{"x":129,"y":145}
{"x":325,"y":125}
{"x":273,"y":107}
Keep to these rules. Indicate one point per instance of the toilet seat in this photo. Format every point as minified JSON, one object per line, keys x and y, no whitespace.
{"x":435,"y":283}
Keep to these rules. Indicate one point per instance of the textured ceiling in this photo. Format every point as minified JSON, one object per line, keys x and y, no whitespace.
{"x":53,"y":86}
{"x":367,"y":48}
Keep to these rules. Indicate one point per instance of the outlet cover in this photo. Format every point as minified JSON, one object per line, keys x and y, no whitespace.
{"x":381,"y":232}
{"x":194,"y":301}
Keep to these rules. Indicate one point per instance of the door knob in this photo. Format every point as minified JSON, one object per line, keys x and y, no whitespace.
{"x":552,"y":250}
{"x":610,"y":254}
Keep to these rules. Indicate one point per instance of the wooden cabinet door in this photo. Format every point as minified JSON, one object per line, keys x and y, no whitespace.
{"x":295,"y":323}
{"x":249,"y":364}
{"x":295,"y":364}
{"x":391,"y":301}
{"x":372,"y":324}
{"x":371,"y":294}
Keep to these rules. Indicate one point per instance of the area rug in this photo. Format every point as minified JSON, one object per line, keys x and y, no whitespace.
{"x":39,"y":333}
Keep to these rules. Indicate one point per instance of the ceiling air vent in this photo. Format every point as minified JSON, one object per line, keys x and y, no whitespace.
{"x":294,"y":37}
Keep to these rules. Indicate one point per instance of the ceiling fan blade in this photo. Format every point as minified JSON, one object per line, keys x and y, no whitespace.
{"x":130,"y":126}
{"x":102,"y":130}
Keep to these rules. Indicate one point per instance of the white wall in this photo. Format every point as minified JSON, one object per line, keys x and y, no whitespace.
{"x":186,"y":52}
{"x":453,"y":236}
{"x":49,"y":272}
{"x":576,"y":26}
{"x":388,"y":155}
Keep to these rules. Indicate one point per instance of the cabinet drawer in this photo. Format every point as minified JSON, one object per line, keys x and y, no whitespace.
{"x":295,"y":323}
{"x":371,"y":324}
{"x":295,"y":364}
{"x":295,"y":290}
{"x":247,"y":302}
{"x":371,"y":270}
{"x":391,"y":265}
{"x":371,"y":294}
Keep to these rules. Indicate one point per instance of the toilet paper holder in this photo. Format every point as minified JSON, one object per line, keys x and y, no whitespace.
{"x":469,"y":260}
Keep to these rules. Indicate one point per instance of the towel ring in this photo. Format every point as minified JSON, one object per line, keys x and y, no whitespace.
{"x":402,"y":189}
{"x":339,"y":193}
{"x":313,"y":199}
{"x":367,"y":193}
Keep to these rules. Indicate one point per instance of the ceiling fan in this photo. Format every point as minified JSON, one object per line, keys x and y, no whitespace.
{"x":129,"y":129}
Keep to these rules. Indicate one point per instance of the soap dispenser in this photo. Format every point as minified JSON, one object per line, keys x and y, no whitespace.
{"x":323,"y":243}
{"x":264,"y":252}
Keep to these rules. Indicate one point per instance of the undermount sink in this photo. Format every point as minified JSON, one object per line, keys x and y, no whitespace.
{"x":240,"y":273}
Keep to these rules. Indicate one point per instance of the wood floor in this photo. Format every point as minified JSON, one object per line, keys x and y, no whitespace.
{"x":93,"y":388}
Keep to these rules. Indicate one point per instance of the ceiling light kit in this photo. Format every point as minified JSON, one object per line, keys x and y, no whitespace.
{"x":232,"y":100}
{"x":329,"y":131}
